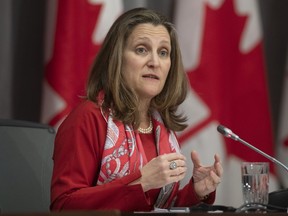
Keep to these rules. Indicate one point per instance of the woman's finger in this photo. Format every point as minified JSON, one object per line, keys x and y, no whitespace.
{"x":219,"y":169}
{"x":216,"y":158}
{"x":178,"y":171}
{"x":195,"y":159}
{"x":173,"y":156}
{"x":215,"y":178}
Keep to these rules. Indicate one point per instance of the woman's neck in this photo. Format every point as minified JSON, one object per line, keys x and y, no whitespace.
{"x":145,"y":118}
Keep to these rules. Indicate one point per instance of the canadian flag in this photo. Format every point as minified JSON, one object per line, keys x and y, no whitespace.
{"x":75,"y":32}
{"x":221,"y":44}
{"x":282,"y":148}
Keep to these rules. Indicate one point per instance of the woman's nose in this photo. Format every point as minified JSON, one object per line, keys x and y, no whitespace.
{"x":154,"y":60}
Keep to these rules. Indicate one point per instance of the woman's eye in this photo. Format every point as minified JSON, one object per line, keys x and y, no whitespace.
{"x":141,"y":50}
{"x":164,"y":53}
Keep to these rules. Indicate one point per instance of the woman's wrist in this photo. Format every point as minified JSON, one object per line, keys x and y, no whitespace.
{"x":199,"y":197}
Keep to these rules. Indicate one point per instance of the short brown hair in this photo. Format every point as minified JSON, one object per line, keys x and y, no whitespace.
{"x":106,"y":74}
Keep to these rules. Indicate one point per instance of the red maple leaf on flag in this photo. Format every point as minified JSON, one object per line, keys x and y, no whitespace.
{"x":73,"y":52}
{"x":232,"y":84}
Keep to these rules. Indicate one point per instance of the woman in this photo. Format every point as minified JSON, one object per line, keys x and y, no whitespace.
{"x":117,"y":149}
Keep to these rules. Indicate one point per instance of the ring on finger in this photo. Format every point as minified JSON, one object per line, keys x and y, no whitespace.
{"x":172,"y":165}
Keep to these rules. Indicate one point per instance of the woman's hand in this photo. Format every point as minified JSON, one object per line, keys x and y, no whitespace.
{"x":157,"y":172}
{"x":206,"y":179}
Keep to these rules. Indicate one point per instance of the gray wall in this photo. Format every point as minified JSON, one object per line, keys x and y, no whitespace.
{"x":21,"y":58}
{"x":5,"y":58}
{"x":274,"y":16}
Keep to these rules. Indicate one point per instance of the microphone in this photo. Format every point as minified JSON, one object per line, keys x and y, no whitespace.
{"x":228,"y":133}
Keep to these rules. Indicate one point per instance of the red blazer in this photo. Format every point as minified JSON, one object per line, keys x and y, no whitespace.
{"x":77,"y":158}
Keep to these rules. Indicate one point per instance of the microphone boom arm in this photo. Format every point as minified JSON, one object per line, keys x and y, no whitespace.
{"x":228,"y":133}
{"x":263,"y":153}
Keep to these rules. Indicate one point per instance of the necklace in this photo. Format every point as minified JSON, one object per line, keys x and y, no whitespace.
{"x":146,"y":130}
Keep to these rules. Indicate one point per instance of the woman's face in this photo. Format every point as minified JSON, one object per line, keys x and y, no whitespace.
{"x":146,"y":60}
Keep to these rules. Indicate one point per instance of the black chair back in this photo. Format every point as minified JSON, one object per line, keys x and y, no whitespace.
{"x":26,"y":150}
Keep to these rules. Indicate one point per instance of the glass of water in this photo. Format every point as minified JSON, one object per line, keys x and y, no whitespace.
{"x":255,"y":184}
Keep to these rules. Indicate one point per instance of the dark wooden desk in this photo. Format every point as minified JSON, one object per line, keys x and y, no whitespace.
{"x":118,"y":213}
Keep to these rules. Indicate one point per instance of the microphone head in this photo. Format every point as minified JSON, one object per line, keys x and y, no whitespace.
{"x":221,"y":129}
{"x":227,"y":132}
